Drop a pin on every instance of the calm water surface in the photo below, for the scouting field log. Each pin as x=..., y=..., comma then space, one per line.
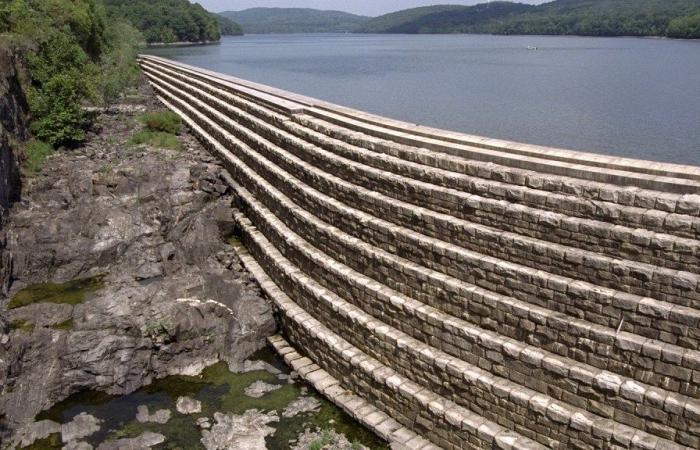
x=622, y=96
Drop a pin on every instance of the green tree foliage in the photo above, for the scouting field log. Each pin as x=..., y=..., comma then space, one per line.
x=74, y=56
x=294, y=20
x=228, y=27
x=672, y=18
x=167, y=21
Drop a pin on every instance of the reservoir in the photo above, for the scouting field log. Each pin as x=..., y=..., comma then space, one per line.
x=629, y=97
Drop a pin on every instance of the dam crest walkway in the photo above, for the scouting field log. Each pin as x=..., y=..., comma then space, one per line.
x=459, y=292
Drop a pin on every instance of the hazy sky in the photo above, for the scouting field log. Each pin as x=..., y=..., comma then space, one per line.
x=366, y=7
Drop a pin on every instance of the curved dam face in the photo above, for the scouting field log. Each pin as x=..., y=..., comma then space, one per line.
x=459, y=292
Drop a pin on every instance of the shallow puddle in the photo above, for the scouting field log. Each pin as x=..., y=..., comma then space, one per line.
x=71, y=293
x=218, y=390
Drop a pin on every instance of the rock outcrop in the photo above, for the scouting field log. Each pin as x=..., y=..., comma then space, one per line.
x=13, y=127
x=151, y=225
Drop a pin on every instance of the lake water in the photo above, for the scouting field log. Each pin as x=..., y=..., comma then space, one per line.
x=623, y=96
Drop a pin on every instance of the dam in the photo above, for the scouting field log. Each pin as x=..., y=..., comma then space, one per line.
x=459, y=292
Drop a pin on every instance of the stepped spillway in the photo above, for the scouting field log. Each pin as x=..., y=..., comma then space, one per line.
x=460, y=292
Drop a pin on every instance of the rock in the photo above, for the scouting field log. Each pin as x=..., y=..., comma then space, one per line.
x=260, y=388
x=187, y=405
x=140, y=219
x=326, y=439
x=161, y=416
x=204, y=423
x=34, y=431
x=301, y=405
x=82, y=425
x=77, y=446
x=252, y=366
x=240, y=432
x=142, y=442
x=149, y=270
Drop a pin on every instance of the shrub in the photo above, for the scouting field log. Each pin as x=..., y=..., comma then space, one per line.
x=165, y=121
x=156, y=139
x=35, y=152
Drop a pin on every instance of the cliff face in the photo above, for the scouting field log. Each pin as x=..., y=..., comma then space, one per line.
x=13, y=126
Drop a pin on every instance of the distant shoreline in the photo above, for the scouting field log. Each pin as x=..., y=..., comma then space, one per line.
x=180, y=43
x=341, y=33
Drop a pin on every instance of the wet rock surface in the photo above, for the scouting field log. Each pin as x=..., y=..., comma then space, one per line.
x=144, y=441
x=159, y=416
x=260, y=388
x=244, y=432
x=151, y=223
x=187, y=405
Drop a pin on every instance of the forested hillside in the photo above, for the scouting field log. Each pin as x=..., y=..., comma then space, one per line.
x=74, y=56
x=167, y=21
x=228, y=27
x=294, y=20
x=670, y=18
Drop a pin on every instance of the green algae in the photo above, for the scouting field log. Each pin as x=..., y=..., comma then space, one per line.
x=51, y=442
x=71, y=293
x=22, y=325
x=219, y=390
x=65, y=326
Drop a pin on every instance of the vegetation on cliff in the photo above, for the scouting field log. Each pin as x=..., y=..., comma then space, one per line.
x=670, y=18
x=294, y=20
x=74, y=57
x=167, y=21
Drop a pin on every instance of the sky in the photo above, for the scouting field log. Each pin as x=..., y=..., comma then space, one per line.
x=364, y=7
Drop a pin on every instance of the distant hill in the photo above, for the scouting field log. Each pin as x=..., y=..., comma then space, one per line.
x=671, y=18
x=406, y=19
x=294, y=20
x=228, y=27
x=167, y=21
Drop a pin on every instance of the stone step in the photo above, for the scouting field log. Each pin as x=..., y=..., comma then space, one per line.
x=642, y=279
x=558, y=259
x=679, y=182
x=537, y=370
x=647, y=174
x=659, y=249
x=450, y=377
x=438, y=418
x=655, y=211
x=661, y=317
x=287, y=236
x=442, y=291
x=367, y=414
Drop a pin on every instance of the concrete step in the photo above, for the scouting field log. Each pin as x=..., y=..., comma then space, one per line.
x=286, y=236
x=638, y=278
x=651, y=318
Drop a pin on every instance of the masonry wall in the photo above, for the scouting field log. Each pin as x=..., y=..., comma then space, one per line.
x=517, y=309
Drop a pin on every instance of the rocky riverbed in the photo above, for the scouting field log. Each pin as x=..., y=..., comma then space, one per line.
x=120, y=276
x=217, y=409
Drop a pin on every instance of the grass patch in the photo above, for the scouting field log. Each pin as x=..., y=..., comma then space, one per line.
x=71, y=293
x=22, y=325
x=35, y=153
x=325, y=439
x=65, y=326
x=51, y=442
x=164, y=121
x=156, y=139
